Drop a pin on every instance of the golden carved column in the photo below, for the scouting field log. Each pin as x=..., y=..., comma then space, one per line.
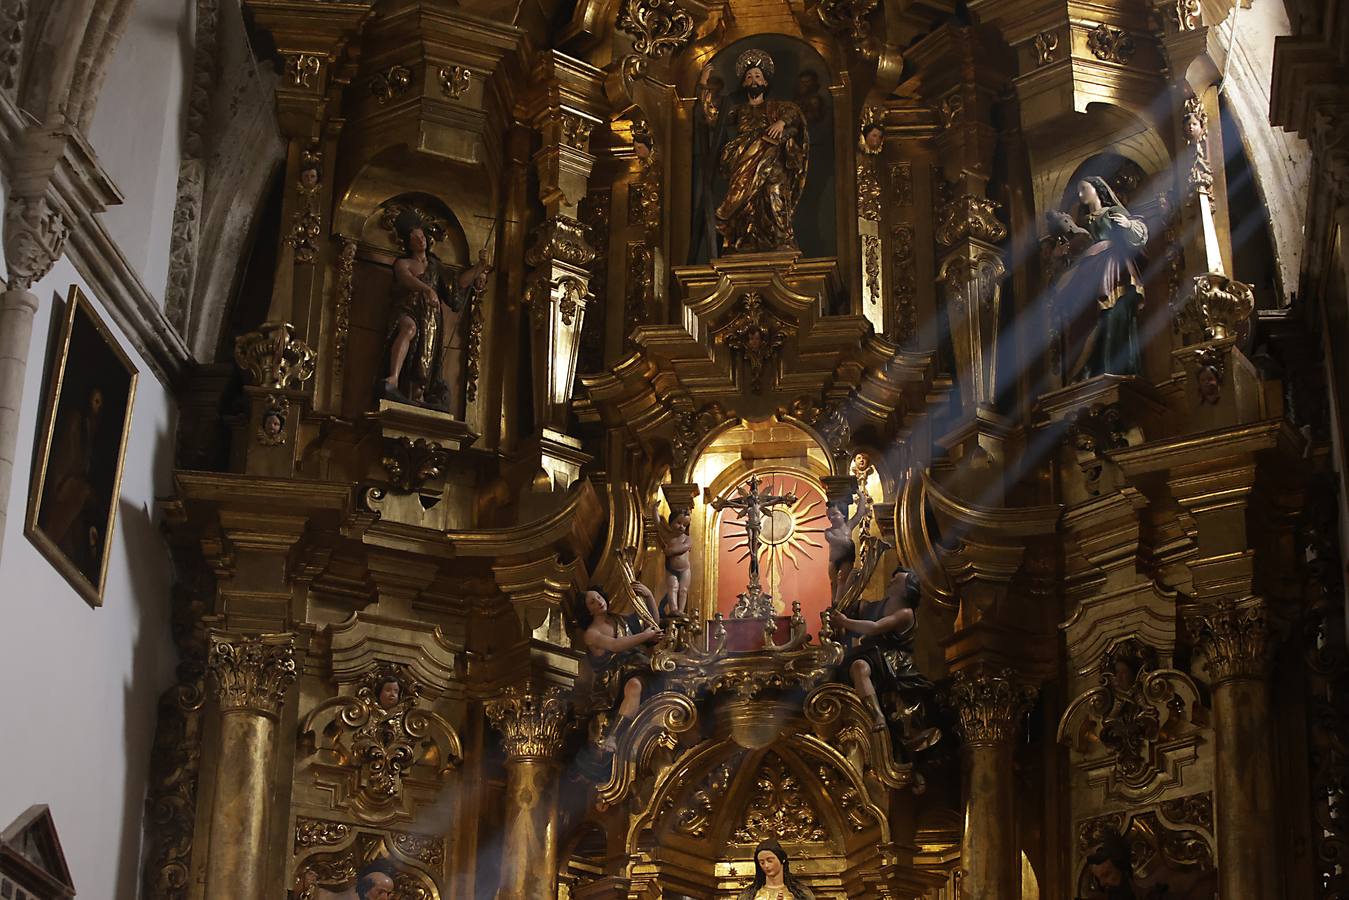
x=991, y=703
x=250, y=676
x=1236, y=639
x=532, y=722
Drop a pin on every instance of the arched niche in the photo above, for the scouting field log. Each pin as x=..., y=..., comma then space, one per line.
x=1057, y=153
x=774, y=447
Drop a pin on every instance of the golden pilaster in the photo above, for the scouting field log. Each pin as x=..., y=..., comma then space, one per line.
x=532, y=722
x=991, y=703
x=1236, y=638
x=250, y=676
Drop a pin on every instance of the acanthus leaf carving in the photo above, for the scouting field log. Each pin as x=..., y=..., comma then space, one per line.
x=969, y=216
x=251, y=673
x=532, y=722
x=274, y=357
x=778, y=808
x=660, y=26
x=1111, y=44
x=990, y=704
x=1236, y=638
x=35, y=238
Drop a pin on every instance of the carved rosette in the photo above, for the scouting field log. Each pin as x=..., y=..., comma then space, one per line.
x=990, y=704
x=251, y=673
x=1236, y=638
x=660, y=26
x=532, y=722
x=35, y=237
x=1217, y=308
x=274, y=357
x=1110, y=44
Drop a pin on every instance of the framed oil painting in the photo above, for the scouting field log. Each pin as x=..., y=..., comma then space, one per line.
x=77, y=474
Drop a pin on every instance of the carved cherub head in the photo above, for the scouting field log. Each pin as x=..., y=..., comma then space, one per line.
x=679, y=519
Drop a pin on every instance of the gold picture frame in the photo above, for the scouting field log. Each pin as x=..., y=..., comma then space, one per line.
x=77, y=472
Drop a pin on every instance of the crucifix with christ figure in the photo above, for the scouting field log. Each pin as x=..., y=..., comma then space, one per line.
x=749, y=506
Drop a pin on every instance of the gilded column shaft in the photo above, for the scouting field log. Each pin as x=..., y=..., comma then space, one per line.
x=250, y=677
x=1236, y=640
x=532, y=725
x=991, y=704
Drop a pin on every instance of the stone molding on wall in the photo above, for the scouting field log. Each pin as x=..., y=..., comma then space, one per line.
x=79, y=189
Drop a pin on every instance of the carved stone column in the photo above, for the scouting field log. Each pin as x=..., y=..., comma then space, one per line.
x=1237, y=641
x=533, y=723
x=250, y=676
x=991, y=703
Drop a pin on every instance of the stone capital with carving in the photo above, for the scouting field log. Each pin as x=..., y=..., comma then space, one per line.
x=251, y=673
x=1236, y=637
x=990, y=703
x=35, y=236
x=1217, y=307
x=533, y=722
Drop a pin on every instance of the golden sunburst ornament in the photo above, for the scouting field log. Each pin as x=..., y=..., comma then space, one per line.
x=789, y=532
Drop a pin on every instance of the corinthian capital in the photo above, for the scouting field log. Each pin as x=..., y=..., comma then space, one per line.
x=991, y=703
x=1235, y=637
x=251, y=672
x=35, y=236
x=532, y=722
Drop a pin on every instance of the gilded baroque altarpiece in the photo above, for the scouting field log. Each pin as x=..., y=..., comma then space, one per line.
x=559, y=287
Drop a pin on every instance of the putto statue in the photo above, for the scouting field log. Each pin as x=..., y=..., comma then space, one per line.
x=424, y=320
x=762, y=148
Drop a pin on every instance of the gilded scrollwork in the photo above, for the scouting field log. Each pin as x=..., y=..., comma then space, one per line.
x=990, y=704
x=851, y=18
x=901, y=183
x=342, y=295
x=778, y=807
x=575, y=131
x=411, y=463
x=251, y=673
x=380, y=750
x=969, y=216
x=660, y=27
x=1187, y=14
x=690, y=427
x=307, y=222
x=390, y=83
x=871, y=266
x=640, y=285
x=1111, y=44
x=274, y=357
x=301, y=69
x=1046, y=45
x=1196, y=136
x=560, y=239
x=532, y=722
x=755, y=338
x=454, y=80
x=1217, y=307
x=320, y=833
x=905, y=280
x=695, y=818
x=1135, y=730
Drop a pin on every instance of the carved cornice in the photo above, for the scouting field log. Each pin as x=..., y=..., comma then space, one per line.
x=251, y=673
x=532, y=722
x=990, y=704
x=1236, y=638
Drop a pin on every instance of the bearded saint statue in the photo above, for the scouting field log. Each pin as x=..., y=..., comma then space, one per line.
x=762, y=148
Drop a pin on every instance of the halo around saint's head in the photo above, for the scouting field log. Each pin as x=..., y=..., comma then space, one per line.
x=754, y=59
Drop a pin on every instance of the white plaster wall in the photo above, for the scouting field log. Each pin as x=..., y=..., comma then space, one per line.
x=137, y=131
x=1281, y=160
x=81, y=684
